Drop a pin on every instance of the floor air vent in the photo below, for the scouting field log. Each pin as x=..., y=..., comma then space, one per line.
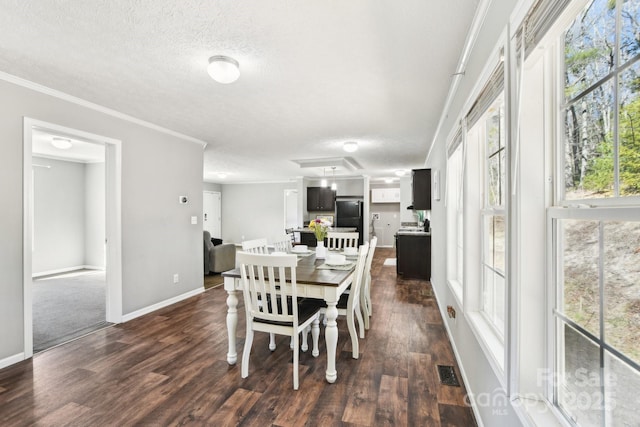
x=448, y=375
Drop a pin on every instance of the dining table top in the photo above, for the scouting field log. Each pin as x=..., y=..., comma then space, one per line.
x=308, y=272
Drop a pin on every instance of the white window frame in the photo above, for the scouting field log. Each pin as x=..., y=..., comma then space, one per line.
x=615, y=208
x=455, y=217
x=488, y=211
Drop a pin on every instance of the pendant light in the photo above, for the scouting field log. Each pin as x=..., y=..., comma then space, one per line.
x=323, y=181
x=334, y=187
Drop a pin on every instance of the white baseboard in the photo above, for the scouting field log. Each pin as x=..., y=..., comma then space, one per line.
x=161, y=304
x=11, y=360
x=467, y=385
x=66, y=270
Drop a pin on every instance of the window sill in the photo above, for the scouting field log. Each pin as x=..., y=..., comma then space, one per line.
x=537, y=413
x=456, y=290
x=491, y=343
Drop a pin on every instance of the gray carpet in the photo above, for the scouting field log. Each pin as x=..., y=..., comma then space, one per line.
x=67, y=306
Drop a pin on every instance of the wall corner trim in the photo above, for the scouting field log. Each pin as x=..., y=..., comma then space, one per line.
x=7, y=361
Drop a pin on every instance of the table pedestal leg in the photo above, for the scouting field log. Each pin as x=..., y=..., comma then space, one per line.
x=331, y=339
x=232, y=323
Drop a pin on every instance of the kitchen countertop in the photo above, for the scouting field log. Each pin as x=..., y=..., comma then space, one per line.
x=413, y=233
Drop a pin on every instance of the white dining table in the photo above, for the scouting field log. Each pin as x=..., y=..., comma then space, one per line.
x=312, y=282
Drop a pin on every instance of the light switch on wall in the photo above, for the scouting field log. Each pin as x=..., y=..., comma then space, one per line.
x=194, y=220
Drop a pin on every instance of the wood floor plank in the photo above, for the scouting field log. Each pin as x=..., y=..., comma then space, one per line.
x=423, y=396
x=392, y=402
x=455, y=416
x=67, y=415
x=234, y=409
x=170, y=368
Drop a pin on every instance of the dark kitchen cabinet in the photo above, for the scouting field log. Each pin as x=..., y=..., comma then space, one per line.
x=320, y=199
x=421, y=189
x=413, y=256
x=308, y=239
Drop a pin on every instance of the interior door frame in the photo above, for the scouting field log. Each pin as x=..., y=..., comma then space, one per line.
x=113, y=223
x=219, y=219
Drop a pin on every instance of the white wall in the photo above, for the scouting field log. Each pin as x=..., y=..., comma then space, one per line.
x=481, y=379
x=157, y=236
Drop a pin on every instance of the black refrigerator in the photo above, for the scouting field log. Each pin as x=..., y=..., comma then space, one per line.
x=349, y=214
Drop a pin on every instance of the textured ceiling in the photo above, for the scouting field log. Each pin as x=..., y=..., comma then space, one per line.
x=314, y=74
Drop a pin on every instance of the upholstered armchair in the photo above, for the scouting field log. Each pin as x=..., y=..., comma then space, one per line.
x=218, y=258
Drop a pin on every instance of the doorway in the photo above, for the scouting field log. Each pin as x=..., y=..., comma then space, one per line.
x=211, y=217
x=71, y=230
x=291, y=219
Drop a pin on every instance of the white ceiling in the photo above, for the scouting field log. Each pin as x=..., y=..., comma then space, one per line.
x=314, y=74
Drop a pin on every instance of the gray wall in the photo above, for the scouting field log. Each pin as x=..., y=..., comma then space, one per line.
x=157, y=236
x=69, y=215
x=94, y=222
x=210, y=186
x=58, y=215
x=253, y=211
x=386, y=227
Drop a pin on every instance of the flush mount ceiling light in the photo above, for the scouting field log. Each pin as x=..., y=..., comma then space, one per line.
x=61, y=143
x=388, y=180
x=400, y=172
x=350, y=146
x=222, y=175
x=223, y=69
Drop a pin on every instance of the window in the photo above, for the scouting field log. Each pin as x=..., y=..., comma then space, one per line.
x=455, y=218
x=596, y=235
x=484, y=202
x=602, y=111
x=493, y=217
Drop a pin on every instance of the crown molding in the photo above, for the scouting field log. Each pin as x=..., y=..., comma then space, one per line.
x=83, y=103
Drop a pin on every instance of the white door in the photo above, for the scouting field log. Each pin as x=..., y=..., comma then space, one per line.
x=291, y=209
x=212, y=213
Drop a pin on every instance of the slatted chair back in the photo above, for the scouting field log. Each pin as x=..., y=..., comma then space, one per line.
x=365, y=292
x=255, y=246
x=353, y=303
x=282, y=244
x=265, y=279
x=339, y=240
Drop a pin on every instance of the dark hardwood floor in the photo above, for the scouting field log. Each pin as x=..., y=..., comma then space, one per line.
x=169, y=368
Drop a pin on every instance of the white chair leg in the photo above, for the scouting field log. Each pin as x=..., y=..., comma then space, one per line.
x=360, y=321
x=363, y=309
x=315, y=334
x=305, y=344
x=295, y=361
x=354, y=336
x=248, y=341
x=272, y=341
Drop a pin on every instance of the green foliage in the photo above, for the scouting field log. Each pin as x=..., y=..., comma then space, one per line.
x=599, y=175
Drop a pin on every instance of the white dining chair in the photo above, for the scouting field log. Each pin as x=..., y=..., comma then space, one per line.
x=349, y=304
x=340, y=240
x=365, y=292
x=255, y=246
x=282, y=244
x=259, y=246
x=272, y=279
